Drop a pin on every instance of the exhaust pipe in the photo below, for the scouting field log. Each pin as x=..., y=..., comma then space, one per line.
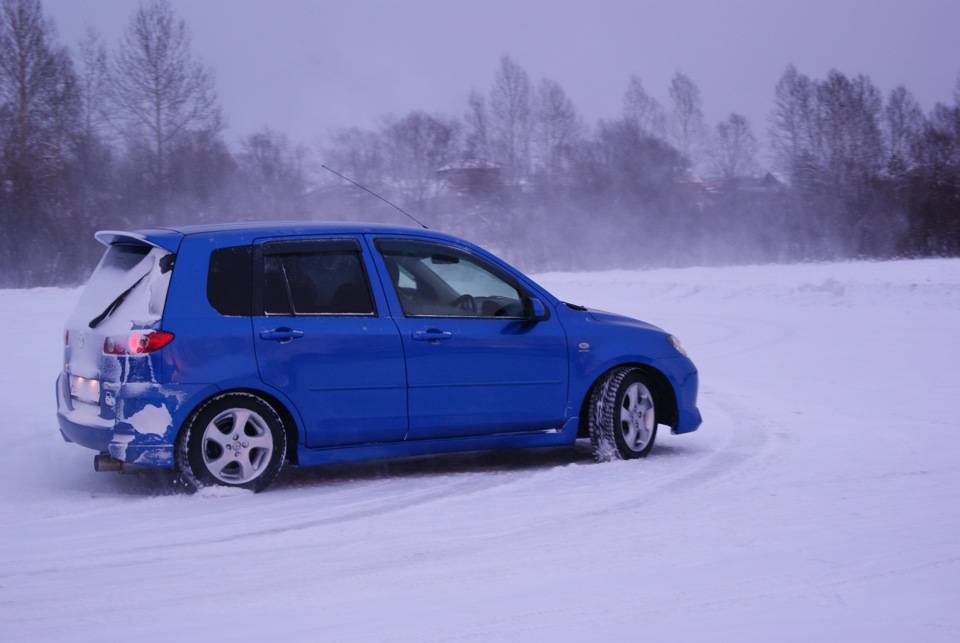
x=106, y=463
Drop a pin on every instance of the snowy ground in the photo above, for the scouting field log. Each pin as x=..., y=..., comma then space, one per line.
x=820, y=500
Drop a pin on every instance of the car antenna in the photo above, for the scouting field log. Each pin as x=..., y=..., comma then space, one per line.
x=393, y=205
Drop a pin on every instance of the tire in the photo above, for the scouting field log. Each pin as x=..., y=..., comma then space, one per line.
x=622, y=416
x=232, y=440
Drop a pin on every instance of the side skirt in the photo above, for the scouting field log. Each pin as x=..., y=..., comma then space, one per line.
x=337, y=455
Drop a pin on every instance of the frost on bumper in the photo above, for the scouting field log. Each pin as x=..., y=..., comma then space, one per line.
x=143, y=431
x=134, y=423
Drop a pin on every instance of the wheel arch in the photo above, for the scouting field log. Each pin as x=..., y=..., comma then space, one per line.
x=287, y=418
x=666, y=399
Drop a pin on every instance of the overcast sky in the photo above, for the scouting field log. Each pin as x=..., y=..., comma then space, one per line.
x=305, y=66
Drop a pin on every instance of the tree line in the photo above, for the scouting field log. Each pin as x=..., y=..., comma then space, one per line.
x=132, y=135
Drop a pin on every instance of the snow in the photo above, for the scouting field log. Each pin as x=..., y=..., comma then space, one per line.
x=819, y=498
x=151, y=419
x=144, y=303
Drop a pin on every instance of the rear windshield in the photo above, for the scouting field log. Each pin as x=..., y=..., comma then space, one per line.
x=127, y=290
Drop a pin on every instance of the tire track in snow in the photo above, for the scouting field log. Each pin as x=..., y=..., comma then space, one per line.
x=738, y=336
x=442, y=488
x=751, y=442
x=747, y=446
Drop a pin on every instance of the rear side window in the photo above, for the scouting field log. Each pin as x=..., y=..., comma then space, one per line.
x=315, y=277
x=230, y=280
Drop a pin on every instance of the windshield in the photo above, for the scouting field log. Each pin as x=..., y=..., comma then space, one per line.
x=127, y=290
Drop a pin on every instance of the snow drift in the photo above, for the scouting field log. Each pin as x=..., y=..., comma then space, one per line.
x=819, y=498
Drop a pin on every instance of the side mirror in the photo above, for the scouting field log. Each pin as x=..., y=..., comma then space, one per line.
x=534, y=310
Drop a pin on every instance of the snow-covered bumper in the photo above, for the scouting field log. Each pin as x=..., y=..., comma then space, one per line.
x=134, y=423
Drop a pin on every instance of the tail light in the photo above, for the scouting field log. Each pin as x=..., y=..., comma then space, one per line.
x=137, y=342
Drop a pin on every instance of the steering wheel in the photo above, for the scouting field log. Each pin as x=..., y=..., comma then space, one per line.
x=465, y=303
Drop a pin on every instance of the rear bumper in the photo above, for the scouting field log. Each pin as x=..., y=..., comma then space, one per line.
x=124, y=446
x=150, y=446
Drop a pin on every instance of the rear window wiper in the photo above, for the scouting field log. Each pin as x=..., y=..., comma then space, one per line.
x=96, y=321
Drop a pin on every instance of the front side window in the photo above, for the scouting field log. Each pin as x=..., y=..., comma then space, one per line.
x=436, y=280
x=315, y=277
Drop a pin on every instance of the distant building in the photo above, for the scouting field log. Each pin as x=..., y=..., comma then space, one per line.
x=769, y=183
x=472, y=177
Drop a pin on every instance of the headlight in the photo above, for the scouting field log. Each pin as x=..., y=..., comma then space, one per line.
x=677, y=345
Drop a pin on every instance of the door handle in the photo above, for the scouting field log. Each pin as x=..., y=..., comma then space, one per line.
x=282, y=335
x=431, y=335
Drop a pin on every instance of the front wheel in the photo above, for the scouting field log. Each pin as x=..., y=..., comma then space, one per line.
x=234, y=440
x=622, y=416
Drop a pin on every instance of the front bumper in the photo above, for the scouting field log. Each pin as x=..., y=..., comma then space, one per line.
x=684, y=379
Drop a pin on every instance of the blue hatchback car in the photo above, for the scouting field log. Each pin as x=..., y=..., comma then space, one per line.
x=224, y=351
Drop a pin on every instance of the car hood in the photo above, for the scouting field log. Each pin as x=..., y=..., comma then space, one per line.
x=621, y=320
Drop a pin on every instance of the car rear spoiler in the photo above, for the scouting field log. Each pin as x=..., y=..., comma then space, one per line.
x=168, y=240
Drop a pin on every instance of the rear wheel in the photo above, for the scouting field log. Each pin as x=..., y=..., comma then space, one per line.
x=623, y=416
x=234, y=440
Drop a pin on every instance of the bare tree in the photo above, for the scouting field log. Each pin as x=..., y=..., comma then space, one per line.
x=38, y=109
x=849, y=112
x=935, y=228
x=643, y=111
x=903, y=123
x=510, y=105
x=827, y=135
x=556, y=129
x=96, y=164
x=686, y=117
x=35, y=74
x=793, y=122
x=356, y=153
x=62, y=111
x=733, y=150
x=417, y=146
x=272, y=178
x=478, y=128
x=632, y=169
x=94, y=85
x=159, y=90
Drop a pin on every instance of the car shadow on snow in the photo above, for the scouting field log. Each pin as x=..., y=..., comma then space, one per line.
x=141, y=481
x=144, y=482
x=503, y=461
x=496, y=462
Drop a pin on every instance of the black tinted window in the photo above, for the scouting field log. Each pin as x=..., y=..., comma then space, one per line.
x=315, y=277
x=229, y=281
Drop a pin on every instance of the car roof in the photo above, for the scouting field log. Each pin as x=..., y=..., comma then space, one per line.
x=241, y=233
x=169, y=238
x=289, y=227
